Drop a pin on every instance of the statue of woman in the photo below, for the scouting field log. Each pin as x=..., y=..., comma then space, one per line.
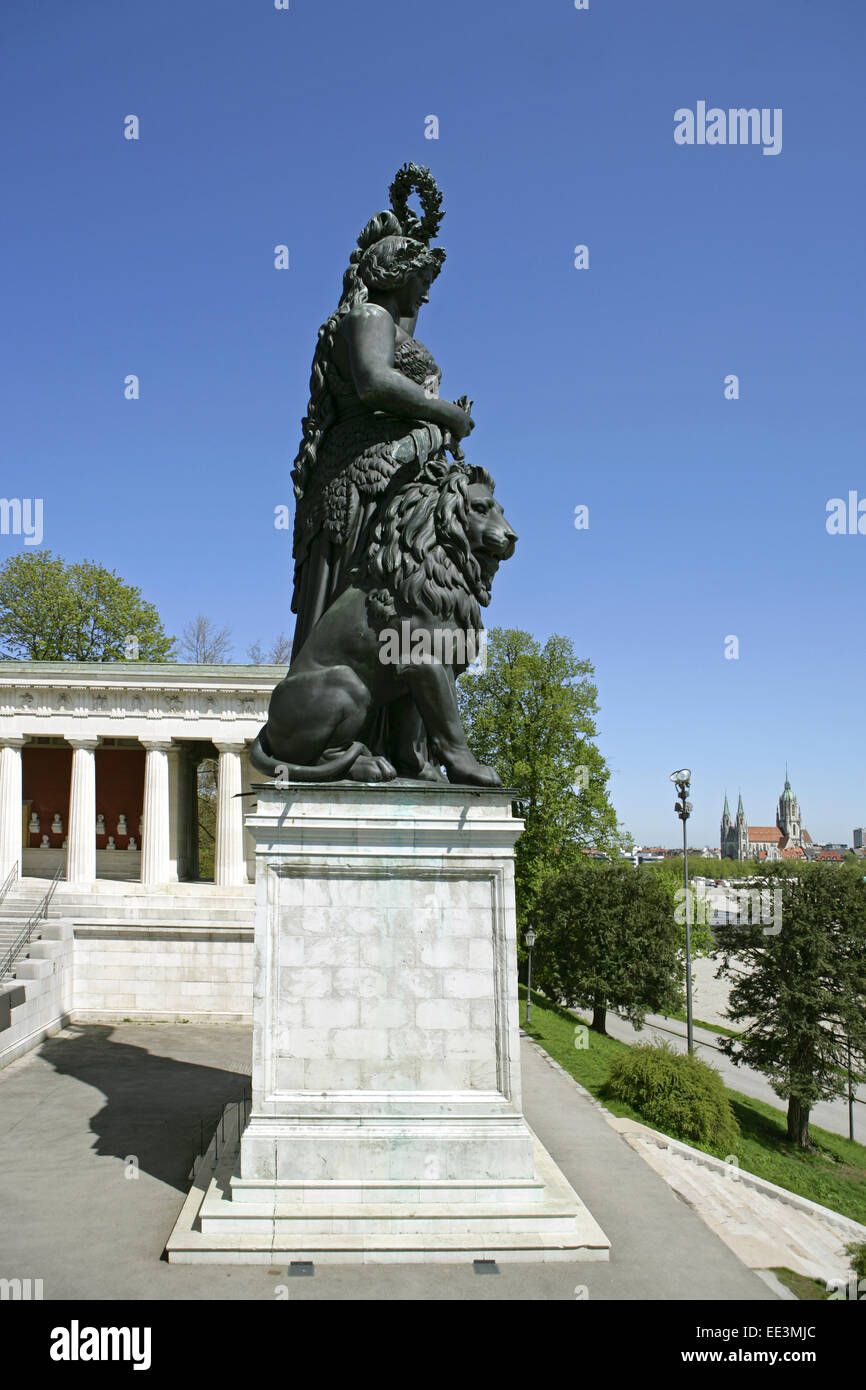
x=375, y=416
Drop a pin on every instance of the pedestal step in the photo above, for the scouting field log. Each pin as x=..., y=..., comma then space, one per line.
x=538, y=1219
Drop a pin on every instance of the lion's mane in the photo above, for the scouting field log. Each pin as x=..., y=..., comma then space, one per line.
x=419, y=560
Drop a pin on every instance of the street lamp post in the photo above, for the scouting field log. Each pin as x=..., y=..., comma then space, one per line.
x=683, y=808
x=529, y=938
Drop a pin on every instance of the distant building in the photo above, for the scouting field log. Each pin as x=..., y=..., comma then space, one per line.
x=645, y=854
x=860, y=837
x=785, y=840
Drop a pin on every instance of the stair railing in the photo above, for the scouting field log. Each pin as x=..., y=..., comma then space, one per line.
x=37, y=915
x=8, y=881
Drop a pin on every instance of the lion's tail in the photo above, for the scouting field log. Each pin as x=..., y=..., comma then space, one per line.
x=263, y=761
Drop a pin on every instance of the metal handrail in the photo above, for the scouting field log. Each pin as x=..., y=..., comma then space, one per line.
x=36, y=916
x=8, y=881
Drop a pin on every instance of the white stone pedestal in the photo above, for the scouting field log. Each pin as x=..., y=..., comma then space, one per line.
x=386, y=1120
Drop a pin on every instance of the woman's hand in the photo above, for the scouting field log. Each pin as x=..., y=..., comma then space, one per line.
x=459, y=421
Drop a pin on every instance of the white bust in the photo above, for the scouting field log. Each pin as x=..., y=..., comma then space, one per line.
x=111, y=844
x=100, y=824
x=34, y=823
x=121, y=825
x=57, y=824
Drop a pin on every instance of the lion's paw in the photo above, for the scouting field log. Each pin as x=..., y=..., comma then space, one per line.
x=368, y=768
x=431, y=773
x=475, y=775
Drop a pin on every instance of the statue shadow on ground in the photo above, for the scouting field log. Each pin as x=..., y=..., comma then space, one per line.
x=156, y=1107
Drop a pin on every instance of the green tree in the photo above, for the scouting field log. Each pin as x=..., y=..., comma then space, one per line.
x=54, y=611
x=802, y=987
x=607, y=940
x=531, y=715
x=699, y=867
x=670, y=873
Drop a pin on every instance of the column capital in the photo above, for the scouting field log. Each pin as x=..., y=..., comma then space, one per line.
x=162, y=745
x=230, y=745
x=75, y=742
x=12, y=740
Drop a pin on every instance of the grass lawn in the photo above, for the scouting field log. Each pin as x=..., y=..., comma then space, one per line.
x=834, y=1175
x=809, y=1290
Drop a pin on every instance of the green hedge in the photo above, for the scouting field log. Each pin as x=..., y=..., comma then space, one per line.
x=679, y=1094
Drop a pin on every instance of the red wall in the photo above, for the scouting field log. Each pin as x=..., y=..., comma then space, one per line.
x=47, y=774
x=119, y=787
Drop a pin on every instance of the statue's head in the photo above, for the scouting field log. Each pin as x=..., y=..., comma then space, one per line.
x=393, y=255
x=388, y=262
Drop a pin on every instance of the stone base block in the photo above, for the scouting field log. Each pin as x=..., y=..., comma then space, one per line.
x=438, y=1221
x=386, y=1121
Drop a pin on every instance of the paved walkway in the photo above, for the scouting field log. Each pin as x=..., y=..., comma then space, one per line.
x=77, y=1109
x=830, y=1115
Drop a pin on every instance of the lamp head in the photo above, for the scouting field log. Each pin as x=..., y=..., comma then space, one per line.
x=684, y=776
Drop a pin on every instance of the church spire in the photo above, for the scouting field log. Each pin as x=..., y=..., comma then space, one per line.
x=740, y=811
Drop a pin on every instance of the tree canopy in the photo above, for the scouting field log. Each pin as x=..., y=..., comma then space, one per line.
x=531, y=715
x=801, y=986
x=607, y=940
x=54, y=611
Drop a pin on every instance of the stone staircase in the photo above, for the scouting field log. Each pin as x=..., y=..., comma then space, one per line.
x=133, y=904
x=765, y=1226
x=22, y=899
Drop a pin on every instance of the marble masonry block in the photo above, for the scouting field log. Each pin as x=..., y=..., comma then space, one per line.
x=388, y=912
x=386, y=1116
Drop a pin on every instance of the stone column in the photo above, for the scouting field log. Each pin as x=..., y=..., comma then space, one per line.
x=247, y=776
x=10, y=805
x=175, y=850
x=155, y=835
x=229, y=865
x=81, y=831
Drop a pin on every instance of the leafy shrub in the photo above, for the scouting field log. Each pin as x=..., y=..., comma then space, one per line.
x=679, y=1094
x=858, y=1259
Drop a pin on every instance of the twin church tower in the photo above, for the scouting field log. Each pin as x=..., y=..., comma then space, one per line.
x=785, y=840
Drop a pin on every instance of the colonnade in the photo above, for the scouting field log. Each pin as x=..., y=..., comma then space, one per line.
x=163, y=839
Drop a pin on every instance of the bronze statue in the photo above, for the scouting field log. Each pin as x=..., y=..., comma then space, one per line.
x=389, y=533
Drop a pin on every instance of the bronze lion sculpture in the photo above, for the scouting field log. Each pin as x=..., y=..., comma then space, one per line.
x=371, y=694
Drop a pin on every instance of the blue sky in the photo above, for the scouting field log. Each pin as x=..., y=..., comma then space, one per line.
x=602, y=387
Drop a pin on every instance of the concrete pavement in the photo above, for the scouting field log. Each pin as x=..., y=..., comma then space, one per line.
x=98, y=1104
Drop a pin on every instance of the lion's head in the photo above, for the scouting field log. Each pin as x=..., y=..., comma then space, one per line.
x=438, y=546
